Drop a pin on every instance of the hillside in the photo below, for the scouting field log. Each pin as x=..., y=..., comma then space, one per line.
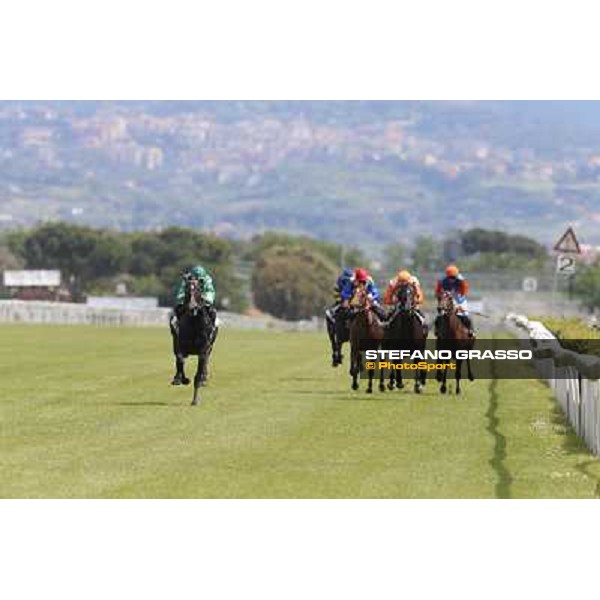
x=387, y=169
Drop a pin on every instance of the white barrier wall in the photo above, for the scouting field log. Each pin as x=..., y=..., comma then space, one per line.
x=21, y=311
x=573, y=378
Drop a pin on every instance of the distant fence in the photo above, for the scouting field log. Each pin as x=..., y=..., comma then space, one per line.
x=573, y=377
x=19, y=311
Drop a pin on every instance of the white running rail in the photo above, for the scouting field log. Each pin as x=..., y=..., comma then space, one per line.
x=573, y=377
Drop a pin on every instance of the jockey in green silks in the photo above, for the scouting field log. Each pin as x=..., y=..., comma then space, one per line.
x=207, y=287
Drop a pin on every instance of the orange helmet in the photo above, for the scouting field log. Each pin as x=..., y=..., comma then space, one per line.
x=451, y=270
x=404, y=276
x=361, y=275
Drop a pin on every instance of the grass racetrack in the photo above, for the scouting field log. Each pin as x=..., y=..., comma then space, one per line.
x=88, y=412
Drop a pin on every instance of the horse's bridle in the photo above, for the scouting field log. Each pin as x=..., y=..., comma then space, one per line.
x=193, y=292
x=409, y=301
x=446, y=304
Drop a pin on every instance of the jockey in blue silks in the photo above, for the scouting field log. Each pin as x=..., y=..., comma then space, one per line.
x=346, y=277
x=458, y=286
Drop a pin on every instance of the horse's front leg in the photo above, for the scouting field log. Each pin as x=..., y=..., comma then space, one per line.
x=179, y=378
x=469, y=372
x=392, y=380
x=399, y=379
x=382, y=380
x=417, y=381
x=332, y=341
x=458, y=375
x=354, y=368
x=198, y=379
x=444, y=375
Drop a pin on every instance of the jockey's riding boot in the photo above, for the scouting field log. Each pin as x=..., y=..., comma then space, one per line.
x=330, y=313
x=174, y=318
x=467, y=321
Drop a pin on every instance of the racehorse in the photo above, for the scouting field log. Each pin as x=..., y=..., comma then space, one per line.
x=193, y=335
x=452, y=334
x=366, y=333
x=406, y=331
x=339, y=332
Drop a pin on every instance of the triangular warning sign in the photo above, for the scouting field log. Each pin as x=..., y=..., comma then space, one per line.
x=568, y=243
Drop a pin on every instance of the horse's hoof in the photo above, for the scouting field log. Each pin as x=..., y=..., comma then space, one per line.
x=400, y=386
x=382, y=388
x=417, y=389
x=443, y=389
x=355, y=386
x=176, y=382
x=185, y=381
x=369, y=391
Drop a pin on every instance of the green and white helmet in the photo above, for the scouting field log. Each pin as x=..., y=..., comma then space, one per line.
x=198, y=272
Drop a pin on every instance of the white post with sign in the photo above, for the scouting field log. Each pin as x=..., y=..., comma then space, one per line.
x=568, y=249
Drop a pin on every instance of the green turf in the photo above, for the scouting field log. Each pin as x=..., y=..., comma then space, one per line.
x=88, y=412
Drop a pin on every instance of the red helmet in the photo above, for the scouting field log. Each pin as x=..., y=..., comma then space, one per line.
x=361, y=275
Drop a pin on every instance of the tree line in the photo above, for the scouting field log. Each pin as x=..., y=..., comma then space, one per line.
x=290, y=277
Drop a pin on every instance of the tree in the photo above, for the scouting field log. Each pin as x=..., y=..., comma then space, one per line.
x=335, y=253
x=291, y=282
x=81, y=254
x=487, y=240
x=587, y=286
x=8, y=260
x=394, y=259
x=161, y=257
x=426, y=254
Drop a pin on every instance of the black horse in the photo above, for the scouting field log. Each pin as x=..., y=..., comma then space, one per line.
x=194, y=334
x=406, y=331
x=338, y=329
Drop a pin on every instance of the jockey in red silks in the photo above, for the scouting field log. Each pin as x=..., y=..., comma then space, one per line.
x=458, y=286
x=362, y=278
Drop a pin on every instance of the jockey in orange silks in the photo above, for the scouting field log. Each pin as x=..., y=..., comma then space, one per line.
x=402, y=278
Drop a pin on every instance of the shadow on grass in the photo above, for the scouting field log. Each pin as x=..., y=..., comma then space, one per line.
x=146, y=404
x=504, y=478
x=353, y=396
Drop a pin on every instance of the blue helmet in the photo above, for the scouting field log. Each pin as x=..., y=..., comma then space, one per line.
x=347, y=272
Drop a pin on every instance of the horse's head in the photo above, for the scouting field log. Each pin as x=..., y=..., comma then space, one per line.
x=193, y=295
x=446, y=303
x=405, y=297
x=360, y=300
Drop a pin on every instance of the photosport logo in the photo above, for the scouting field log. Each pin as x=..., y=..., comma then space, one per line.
x=489, y=358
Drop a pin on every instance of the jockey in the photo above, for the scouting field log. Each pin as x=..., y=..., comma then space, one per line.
x=458, y=286
x=346, y=277
x=404, y=277
x=206, y=286
x=362, y=278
